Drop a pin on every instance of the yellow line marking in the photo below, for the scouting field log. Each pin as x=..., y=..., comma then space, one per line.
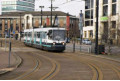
x=89, y=64
x=24, y=73
x=54, y=63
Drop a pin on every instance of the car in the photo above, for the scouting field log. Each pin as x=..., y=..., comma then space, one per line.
x=87, y=42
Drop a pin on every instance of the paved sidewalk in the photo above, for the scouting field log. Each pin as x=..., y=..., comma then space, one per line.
x=4, y=62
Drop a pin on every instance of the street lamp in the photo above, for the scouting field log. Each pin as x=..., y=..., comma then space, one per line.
x=96, y=37
x=9, y=58
x=41, y=13
x=20, y=26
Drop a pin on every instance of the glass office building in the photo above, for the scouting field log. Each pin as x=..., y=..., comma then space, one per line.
x=17, y=5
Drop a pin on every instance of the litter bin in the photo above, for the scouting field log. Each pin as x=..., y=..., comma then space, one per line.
x=16, y=36
x=101, y=49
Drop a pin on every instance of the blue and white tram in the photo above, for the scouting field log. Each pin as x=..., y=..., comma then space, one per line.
x=46, y=38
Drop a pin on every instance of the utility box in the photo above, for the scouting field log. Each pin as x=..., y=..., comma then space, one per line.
x=93, y=48
x=101, y=49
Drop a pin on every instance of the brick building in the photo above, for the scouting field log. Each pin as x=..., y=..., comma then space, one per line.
x=18, y=21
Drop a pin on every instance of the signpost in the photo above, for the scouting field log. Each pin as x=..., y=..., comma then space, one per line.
x=81, y=28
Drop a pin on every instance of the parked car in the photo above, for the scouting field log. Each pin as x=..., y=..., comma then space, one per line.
x=87, y=42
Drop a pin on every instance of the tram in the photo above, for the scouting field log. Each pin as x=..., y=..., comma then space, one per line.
x=51, y=39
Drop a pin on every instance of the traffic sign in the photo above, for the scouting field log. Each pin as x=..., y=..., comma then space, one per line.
x=13, y=31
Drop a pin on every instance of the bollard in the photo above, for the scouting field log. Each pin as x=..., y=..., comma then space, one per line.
x=73, y=47
x=9, y=54
x=80, y=48
x=89, y=50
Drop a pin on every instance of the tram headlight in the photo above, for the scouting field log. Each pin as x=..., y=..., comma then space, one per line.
x=53, y=43
x=63, y=43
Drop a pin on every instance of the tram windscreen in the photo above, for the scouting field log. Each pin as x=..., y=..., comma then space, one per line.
x=59, y=35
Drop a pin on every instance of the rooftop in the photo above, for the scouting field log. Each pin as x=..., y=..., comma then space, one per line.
x=36, y=13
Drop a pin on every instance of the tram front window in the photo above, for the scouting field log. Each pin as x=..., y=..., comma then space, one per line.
x=59, y=35
x=56, y=35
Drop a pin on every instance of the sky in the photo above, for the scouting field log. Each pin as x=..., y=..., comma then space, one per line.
x=72, y=7
x=0, y=7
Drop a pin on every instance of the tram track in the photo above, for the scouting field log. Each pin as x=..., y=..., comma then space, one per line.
x=114, y=68
x=28, y=72
x=97, y=73
x=109, y=65
x=55, y=69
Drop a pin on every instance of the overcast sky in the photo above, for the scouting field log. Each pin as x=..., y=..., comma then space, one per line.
x=72, y=7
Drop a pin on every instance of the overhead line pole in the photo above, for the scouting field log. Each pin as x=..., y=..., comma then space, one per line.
x=20, y=26
x=41, y=13
x=96, y=37
x=51, y=12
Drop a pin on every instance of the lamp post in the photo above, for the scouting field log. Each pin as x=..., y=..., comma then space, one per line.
x=96, y=37
x=41, y=13
x=81, y=27
x=9, y=58
x=20, y=26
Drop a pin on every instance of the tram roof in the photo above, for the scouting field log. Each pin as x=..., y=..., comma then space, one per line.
x=44, y=29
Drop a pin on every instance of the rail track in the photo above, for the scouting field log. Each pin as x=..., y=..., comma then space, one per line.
x=38, y=64
x=98, y=75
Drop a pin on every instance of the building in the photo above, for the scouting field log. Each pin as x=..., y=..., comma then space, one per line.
x=18, y=21
x=109, y=20
x=17, y=5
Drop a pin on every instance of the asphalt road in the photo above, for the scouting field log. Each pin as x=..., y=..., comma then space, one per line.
x=43, y=65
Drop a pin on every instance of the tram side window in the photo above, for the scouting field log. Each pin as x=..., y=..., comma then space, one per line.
x=41, y=35
x=25, y=34
x=35, y=34
x=50, y=34
x=44, y=35
x=29, y=34
x=38, y=34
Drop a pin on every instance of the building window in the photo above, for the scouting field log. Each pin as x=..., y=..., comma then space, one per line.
x=85, y=34
x=91, y=22
x=87, y=14
x=87, y=23
x=105, y=1
x=113, y=7
x=92, y=3
x=113, y=35
x=91, y=14
x=114, y=1
x=87, y=4
x=105, y=10
x=113, y=24
x=91, y=33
